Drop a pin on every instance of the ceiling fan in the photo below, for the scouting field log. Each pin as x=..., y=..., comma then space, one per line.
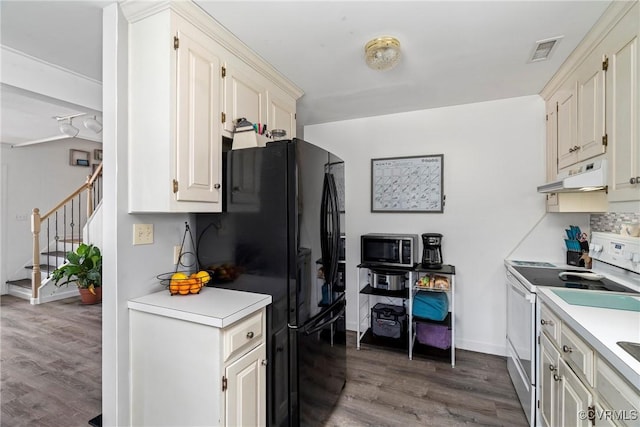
x=67, y=129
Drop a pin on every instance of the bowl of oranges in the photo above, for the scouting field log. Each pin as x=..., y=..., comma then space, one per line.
x=184, y=282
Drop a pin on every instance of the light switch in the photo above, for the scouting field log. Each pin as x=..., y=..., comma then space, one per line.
x=142, y=234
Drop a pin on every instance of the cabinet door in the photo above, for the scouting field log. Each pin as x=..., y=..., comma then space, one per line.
x=282, y=113
x=567, y=153
x=590, y=99
x=198, y=133
x=623, y=96
x=549, y=360
x=552, y=151
x=244, y=97
x=245, y=403
x=575, y=399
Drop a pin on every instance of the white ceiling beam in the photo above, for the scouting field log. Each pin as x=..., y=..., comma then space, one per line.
x=29, y=73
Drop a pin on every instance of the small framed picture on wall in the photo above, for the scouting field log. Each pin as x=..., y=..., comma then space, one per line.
x=97, y=155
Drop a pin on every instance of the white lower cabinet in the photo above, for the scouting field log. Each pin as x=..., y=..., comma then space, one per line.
x=574, y=399
x=244, y=405
x=564, y=400
x=577, y=387
x=549, y=361
x=184, y=373
x=620, y=403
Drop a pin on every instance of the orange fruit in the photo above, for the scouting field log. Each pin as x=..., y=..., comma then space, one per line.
x=203, y=276
x=176, y=281
x=184, y=286
x=195, y=288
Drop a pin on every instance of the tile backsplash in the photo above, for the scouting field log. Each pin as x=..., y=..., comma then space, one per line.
x=611, y=222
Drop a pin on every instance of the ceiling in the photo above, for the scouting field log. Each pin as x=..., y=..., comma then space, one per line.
x=454, y=52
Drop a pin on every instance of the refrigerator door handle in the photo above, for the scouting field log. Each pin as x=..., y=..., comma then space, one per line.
x=314, y=322
x=323, y=325
x=324, y=232
x=332, y=200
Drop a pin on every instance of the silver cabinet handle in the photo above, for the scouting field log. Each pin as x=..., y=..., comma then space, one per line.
x=567, y=349
x=265, y=362
x=557, y=377
x=634, y=180
x=546, y=322
x=249, y=335
x=552, y=368
x=216, y=186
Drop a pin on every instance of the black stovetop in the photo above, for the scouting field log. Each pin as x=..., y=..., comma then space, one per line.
x=549, y=277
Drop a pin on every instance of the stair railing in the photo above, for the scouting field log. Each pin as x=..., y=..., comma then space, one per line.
x=61, y=222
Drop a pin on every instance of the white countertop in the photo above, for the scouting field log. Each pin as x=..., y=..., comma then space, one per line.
x=212, y=306
x=601, y=328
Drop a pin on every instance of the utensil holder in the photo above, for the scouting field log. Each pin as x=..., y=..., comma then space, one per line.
x=575, y=258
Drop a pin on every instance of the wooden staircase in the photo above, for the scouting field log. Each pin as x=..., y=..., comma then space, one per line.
x=63, y=228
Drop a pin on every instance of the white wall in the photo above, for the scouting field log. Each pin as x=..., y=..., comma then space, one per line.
x=36, y=176
x=493, y=162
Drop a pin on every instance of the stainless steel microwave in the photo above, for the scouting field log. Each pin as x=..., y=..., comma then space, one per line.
x=393, y=250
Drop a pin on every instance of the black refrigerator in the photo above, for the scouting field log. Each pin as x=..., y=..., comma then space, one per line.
x=279, y=234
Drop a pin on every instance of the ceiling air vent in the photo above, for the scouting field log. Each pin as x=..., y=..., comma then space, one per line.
x=543, y=49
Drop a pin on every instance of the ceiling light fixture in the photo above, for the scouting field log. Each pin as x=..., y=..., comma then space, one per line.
x=382, y=53
x=67, y=127
x=92, y=124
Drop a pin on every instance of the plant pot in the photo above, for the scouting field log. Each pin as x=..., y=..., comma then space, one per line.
x=87, y=297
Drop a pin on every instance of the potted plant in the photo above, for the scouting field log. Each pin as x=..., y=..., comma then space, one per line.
x=84, y=268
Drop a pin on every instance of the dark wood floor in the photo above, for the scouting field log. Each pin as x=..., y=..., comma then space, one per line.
x=50, y=359
x=50, y=363
x=385, y=388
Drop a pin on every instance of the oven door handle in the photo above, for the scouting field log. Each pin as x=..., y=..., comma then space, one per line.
x=531, y=297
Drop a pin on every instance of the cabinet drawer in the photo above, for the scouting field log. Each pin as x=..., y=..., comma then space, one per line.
x=577, y=353
x=616, y=392
x=550, y=324
x=243, y=336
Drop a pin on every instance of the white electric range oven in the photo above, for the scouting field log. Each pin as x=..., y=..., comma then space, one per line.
x=616, y=268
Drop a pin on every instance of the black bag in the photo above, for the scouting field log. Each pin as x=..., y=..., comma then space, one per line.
x=388, y=320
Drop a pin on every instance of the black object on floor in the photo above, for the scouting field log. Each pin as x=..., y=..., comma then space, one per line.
x=96, y=421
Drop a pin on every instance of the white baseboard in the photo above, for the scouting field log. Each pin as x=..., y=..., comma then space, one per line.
x=43, y=295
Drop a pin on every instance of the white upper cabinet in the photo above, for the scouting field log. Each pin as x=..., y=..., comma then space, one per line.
x=244, y=96
x=174, y=117
x=255, y=98
x=621, y=48
x=590, y=108
x=189, y=81
x=596, y=95
x=198, y=142
x=566, y=127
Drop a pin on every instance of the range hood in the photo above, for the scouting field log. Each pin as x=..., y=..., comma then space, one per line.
x=588, y=176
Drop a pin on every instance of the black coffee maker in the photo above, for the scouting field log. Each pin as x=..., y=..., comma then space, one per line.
x=431, y=250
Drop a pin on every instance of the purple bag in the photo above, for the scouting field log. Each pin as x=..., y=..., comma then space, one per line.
x=438, y=336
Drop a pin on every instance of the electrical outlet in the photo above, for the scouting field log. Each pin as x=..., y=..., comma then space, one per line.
x=142, y=234
x=176, y=254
